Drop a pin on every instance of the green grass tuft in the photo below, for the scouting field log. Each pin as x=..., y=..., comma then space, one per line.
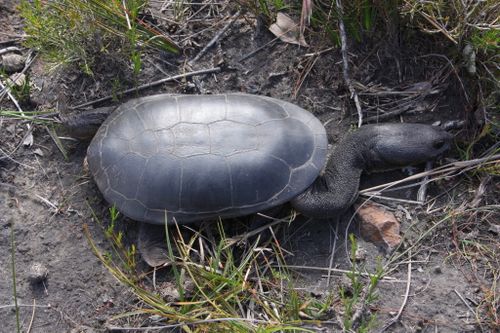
x=79, y=31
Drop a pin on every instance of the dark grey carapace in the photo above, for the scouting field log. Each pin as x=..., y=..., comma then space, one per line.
x=200, y=157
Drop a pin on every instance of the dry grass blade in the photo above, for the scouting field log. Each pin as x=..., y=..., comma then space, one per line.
x=448, y=170
x=345, y=61
x=216, y=38
x=287, y=30
x=230, y=293
x=116, y=18
x=148, y=85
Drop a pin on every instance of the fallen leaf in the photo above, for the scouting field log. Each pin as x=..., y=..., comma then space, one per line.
x=28, y=140
x=287, y=30
x=379, y=226
x=38, y=152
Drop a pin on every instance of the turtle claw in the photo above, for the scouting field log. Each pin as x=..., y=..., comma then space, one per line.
x=152, y=245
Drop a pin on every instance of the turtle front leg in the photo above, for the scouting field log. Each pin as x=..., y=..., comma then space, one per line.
x=332, y=193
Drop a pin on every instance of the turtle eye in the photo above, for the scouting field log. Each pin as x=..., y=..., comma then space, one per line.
x=438, y=144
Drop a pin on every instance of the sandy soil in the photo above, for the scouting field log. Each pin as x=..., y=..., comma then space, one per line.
x=46, y=199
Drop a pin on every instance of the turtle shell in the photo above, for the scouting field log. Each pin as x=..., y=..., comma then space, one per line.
x=193, y=157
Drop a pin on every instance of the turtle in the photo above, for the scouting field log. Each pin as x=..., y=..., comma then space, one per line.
x=185, y=158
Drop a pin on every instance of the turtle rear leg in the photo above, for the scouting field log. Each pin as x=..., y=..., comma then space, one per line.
x=152, y=244
x=83, y=125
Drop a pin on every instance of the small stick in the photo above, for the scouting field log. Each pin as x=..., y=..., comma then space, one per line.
x=332, y=255
x=338, y=270
x=13, y=160
x=8, y=306
x=387, y=115
x=392, y=199
x=47, y=202
x=361, y=305
x=186, y=323
x=13, y=99
x=343, y=39
x=149, y=85
x=422, y=191
x=10, y=49
x=304, y=75
x=246, y=235
x=257, y=50
x=12, y=35
x=32, y=317
x=455, y=71
x=215, y=39
x=463, y=300
x=405, y=300
x=317, y=53
x=57, y=142
x=443, y=170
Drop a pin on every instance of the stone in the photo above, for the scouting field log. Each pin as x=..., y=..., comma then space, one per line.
x=379, y=226
x=12, y=63
x=38, y=273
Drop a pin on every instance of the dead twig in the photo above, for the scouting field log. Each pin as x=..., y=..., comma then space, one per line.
x=5, y=90
x=256, y=231
x=361, y=302
x=451, y=169
x=332, y=255
x=309, y=66
x=148, y=85
x=387, y=115
x=317, y=53
x=254, y=52
x=405, y=300
x=8, y=306
x=32, y=317
x=215, y=38
x=343, y=39
x=57, y=142
x=463, y=301
x=481, y=190
x=455, y=71
x=341, y=271
x=10, y=49
x=7, y=156
x=422, y=191
x=214, y=320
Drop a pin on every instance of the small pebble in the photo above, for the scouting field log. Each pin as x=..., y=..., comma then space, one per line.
x=438, y=270
x=12, y=63
x=38, y=273
x=494, y=229
x=360, y=254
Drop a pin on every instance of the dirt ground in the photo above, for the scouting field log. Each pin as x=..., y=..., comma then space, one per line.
x=47, y=199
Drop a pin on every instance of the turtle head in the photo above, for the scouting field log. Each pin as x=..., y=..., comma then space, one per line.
x=392, y=146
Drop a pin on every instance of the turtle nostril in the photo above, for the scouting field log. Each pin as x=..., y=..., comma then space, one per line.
x=438, y=144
